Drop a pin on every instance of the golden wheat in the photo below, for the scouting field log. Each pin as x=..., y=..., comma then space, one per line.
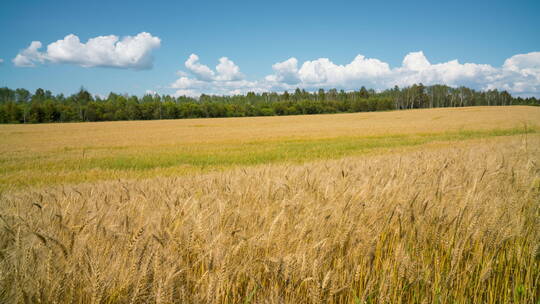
x=444, y=225
x=47, y=154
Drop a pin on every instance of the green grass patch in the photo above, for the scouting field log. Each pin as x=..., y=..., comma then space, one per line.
x=290, y=150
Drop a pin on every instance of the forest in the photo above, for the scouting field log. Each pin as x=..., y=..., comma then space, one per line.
x=21, y=106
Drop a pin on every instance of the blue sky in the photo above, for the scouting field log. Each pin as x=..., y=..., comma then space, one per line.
x=254, y=36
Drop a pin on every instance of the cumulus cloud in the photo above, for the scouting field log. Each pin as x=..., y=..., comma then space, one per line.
x=102, y=51
x=415, y=61
x=29, y=56
x=286, y=72
x=519, y=74
x=525, y=64
x=324, y=73
x=226, y=79
x=1, y=60
x=416, y=68
x=200, y=71
x=227, y=70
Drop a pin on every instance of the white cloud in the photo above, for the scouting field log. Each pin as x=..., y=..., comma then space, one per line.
x=29, y=56
x=324, y=73
x=1, y=60
x=185, y=82
x=520, y=74
x=102, y=51
x=227, y=70
x=225, y=80
x=200, y=71
x=188, y=93
x=416, y=61
x=525, y=64
x=286, y=72
x=416, y=68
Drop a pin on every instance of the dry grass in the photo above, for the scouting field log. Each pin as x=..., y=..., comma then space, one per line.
x=450, y=225
x=84, y=152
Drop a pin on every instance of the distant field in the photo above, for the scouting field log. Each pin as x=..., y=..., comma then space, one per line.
x=48, y=154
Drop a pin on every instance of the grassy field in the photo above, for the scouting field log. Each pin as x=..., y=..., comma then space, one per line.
x=422, y=206
x=84, y=152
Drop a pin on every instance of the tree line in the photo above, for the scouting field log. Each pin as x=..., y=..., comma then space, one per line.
x=21, y=106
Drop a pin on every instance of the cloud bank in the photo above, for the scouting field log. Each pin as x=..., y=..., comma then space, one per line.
x=102, y=51
x=519, y=74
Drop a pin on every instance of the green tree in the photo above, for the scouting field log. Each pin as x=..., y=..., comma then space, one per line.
x=364, y=92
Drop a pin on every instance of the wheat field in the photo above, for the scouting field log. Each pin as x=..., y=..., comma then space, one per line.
x=449, y=220
x=46, y=154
